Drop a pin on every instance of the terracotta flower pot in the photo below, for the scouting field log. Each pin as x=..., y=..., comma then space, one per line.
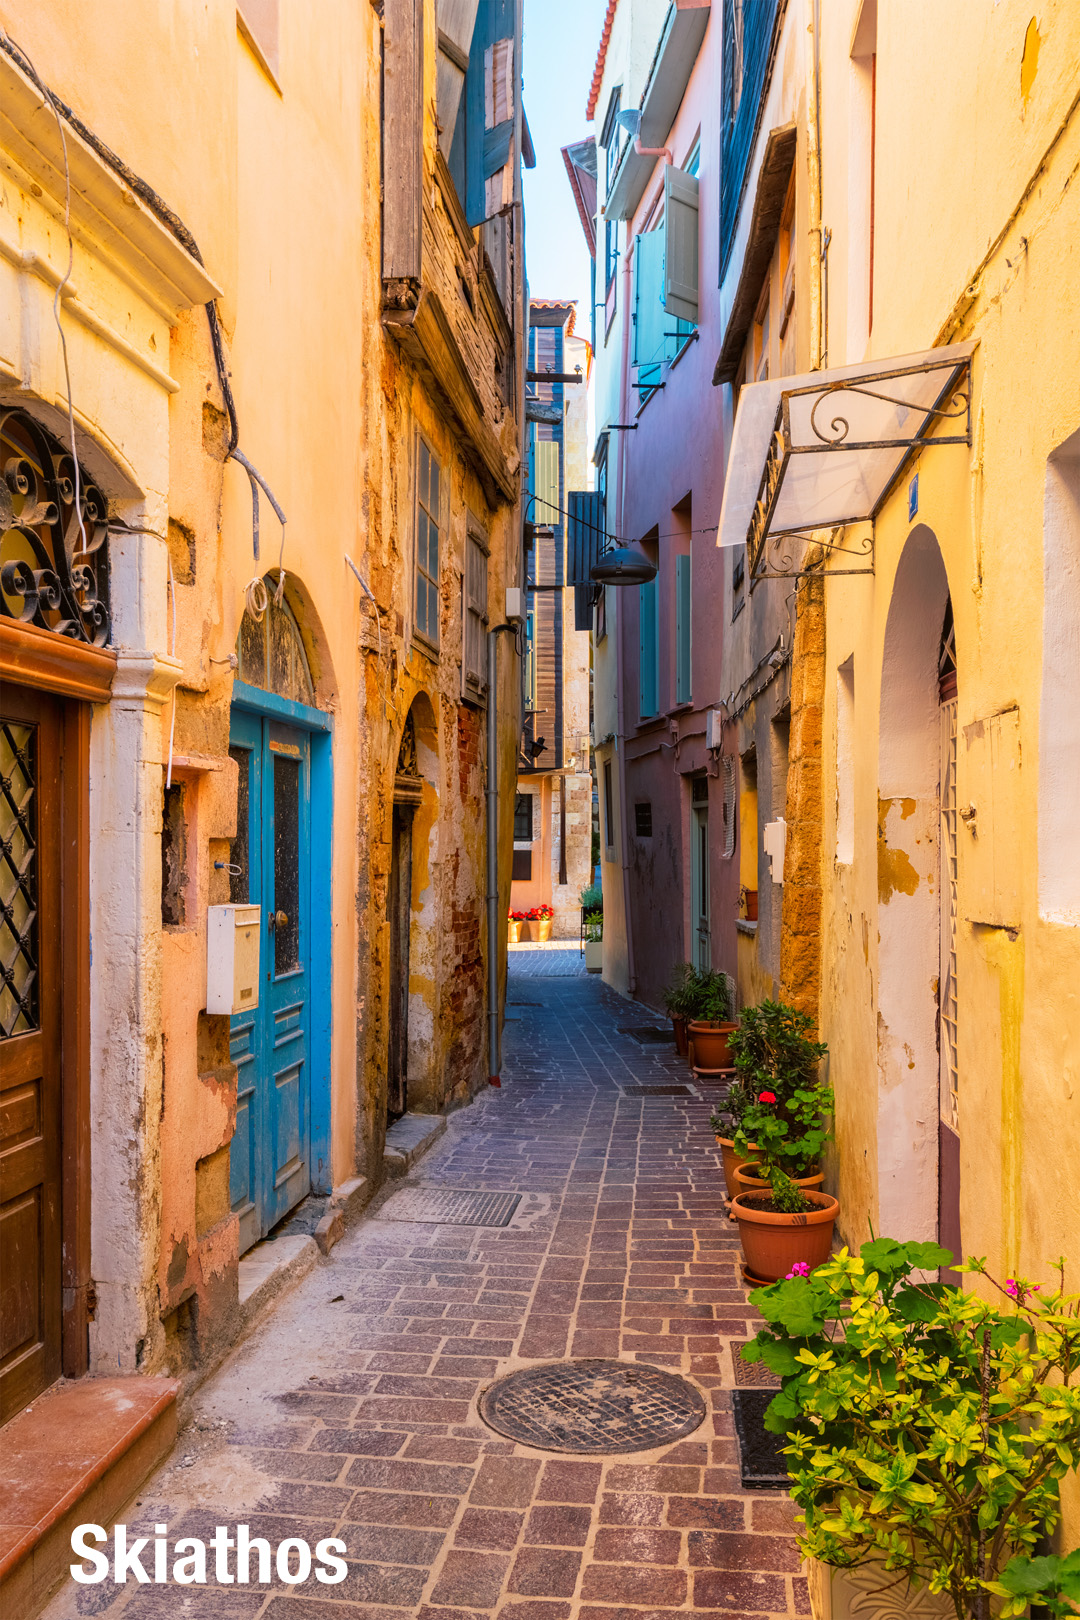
x=751, y=1183
x=730, y=1159
x=682, y=1040
x=513, y=933
x=710, y=1044
x=543, y=928
x=772, y=1243
x=526, y=931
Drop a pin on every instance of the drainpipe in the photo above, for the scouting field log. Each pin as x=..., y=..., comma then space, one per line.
x=492, y=796
x=620, y=655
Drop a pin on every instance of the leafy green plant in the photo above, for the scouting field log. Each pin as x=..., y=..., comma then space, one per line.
x=787, y=1199
x=592, y=898
x=594, y=926
x=788, y=1132
x=680, y=991
x=707, y=998
x=1053, y=1583
x=772, y=1049
x=928, y=1428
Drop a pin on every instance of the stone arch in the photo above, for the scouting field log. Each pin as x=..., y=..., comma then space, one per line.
x=909, y=889
x=306, y=676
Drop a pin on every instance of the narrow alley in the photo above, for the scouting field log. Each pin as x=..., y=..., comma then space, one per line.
x=353, y=1413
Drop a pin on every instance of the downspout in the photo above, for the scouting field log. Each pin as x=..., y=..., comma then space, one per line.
x=813, y=165
x=620, y=651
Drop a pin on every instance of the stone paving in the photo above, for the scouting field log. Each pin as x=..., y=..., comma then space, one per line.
x=352, y=1411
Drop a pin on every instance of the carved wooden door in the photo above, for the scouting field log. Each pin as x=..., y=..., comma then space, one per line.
x=30, y=1046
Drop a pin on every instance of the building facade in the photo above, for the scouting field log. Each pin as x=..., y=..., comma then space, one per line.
x=553, y=808
x=262, y=463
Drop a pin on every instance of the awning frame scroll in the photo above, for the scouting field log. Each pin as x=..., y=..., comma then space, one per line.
x=948, y=405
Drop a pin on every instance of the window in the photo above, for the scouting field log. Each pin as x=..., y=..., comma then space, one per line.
x=474, y=616
x=643, y=818
x=609, y=807
x=682, y=629
x=270, y=652
x=649, y=630
x=428, y=509
x=727, y=778
x=611, y=252
x=612, y=138
x=529, y=662
x=523, y=818
x=666, y=280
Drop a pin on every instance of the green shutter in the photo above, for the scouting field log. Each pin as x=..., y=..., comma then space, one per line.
x=546, y=508
x=682, y=629
x=647, y=621
x=680, y=290
x=649, y=320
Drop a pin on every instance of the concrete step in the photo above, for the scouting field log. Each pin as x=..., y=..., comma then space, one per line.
x=76, y=1455
x=408, y=1139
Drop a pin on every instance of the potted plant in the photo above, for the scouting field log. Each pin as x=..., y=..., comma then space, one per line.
x=513, y=929
x=708, y=1015
x=542, y=916
x=783, y=1130
x=729, y=1120
x=679, y=1001
x=594, y=949
x=928, y=1427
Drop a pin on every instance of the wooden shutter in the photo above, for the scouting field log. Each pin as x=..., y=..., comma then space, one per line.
x=727, y=772
x=403, y=138
x=585, y=540
x=649, y=322
x=546, y=507
x=648, y=627
x=682, y=629
x=681, y=244
x=489, y=92
x=474, y=616
x=455, y=21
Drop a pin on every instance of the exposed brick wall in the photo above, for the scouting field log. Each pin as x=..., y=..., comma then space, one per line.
x=800, y=935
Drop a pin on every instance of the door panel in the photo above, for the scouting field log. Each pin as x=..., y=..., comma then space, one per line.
x=270, y=1167
x=399, y=901
x=30, y=1046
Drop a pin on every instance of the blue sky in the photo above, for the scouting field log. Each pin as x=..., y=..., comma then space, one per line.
x=561, y=41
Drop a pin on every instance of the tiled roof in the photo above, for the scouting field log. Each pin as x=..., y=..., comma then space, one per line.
x=601, y=58
x=569, y=304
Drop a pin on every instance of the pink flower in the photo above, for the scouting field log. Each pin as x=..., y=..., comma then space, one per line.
x=767, y=1096
x=1011, y=1288
x=799, y=1269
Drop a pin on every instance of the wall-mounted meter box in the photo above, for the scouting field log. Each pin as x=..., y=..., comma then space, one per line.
x=233, y=934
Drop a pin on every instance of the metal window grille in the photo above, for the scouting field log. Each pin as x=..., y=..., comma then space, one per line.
x=948, y=1054
x=727, y=775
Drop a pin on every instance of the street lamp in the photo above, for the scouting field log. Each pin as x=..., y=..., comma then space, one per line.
x=625, y=565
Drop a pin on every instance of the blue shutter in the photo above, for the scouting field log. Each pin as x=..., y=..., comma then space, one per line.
x=649, y=318
x=647, y=597
x=737, y=134
x=585, y=540
x=486, y=149
x=682, y=629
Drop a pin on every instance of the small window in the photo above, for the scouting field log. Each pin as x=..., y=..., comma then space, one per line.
x=428, y=508
x=643, y=818
x=523, y=818
x=521, y=869
x=474, y=616
x=649, y=633
x=270, y=650
x=609, y=807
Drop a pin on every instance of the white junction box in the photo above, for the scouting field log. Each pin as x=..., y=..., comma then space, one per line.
x=714, y=728
x=233, y=935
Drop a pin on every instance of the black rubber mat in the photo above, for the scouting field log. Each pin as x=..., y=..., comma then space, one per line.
x=763, y=1464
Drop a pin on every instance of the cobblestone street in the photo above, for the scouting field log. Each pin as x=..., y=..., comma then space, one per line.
x=353, y=1409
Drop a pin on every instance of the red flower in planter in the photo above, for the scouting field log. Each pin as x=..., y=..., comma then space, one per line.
x=767, y=1096
x=542, y=913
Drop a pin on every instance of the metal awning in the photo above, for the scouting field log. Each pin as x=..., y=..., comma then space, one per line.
x=823, y=451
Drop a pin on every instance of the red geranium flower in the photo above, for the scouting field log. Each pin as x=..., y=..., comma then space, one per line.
x=767, y=1096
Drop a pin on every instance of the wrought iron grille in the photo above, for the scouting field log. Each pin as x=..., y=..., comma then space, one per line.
x=54, y=569
x=18, y=879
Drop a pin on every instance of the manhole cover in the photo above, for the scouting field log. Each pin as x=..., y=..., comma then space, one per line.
x=647, y=1034
x=593, y=1406
x=656, y=1091
x=432, y=1206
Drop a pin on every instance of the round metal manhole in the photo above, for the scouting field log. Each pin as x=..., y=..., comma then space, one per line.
x=592, y=1406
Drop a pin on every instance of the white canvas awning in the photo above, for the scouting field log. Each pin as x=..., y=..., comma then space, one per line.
x=824, y=450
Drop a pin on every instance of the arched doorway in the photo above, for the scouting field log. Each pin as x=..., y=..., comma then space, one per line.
x=280, y=862
x=918, y=1141
x=413, y=933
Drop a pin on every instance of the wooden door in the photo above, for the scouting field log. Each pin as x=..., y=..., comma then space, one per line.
x=31, y=1094
x=700, y=884
x=400, y=907
x=270, y=1160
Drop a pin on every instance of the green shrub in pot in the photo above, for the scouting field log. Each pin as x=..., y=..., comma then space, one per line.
x=928, y=1428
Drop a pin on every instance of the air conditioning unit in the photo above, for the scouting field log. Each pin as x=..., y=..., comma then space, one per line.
x=714, y=728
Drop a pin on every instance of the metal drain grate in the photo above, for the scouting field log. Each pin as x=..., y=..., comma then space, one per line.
x=763, y=1466
x=435, y=1206
x=656, y=1091
x=598, y=1407
x=648, y=1034
x=751, y=1373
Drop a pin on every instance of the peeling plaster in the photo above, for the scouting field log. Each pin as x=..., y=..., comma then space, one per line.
x=895, y=871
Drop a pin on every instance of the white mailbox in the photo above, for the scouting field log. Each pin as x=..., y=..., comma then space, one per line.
x=233, y=934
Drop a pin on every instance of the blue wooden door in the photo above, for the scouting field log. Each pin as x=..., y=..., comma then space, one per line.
x=270, y=1165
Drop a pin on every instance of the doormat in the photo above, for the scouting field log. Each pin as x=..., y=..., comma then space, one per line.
x=764, y=1467
x=648, y=1034
x=751, y=1373
x=434, y=1206
x=655, y=1091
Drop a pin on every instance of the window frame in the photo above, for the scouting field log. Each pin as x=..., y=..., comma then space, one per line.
x=423, y=635
x=474, y=680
